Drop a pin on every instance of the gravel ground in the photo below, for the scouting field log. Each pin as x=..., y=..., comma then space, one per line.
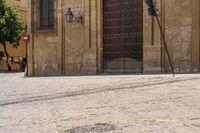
x=97, y=104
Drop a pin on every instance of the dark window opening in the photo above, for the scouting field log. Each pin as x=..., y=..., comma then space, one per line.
x=46, y=14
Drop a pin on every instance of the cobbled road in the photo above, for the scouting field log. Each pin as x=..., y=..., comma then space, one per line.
x=97, y=104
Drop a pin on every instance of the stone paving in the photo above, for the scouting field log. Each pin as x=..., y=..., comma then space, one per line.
x=97, y=104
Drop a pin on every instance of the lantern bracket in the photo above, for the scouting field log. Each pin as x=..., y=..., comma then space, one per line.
x=71, y=17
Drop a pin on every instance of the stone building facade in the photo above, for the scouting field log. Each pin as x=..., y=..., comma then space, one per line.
x=114, y=36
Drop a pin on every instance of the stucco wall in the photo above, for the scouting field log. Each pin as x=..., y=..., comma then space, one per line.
x=22, y=7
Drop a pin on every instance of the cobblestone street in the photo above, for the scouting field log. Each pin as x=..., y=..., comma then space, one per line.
x=96, y=104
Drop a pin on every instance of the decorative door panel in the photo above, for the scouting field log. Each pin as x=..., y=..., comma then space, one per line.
x=123, y=36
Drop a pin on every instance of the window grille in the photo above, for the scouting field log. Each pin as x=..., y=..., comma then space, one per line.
x=46, y=14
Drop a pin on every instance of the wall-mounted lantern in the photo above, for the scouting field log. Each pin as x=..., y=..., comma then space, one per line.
x=151, y=3
x=70, y=17
x=152, y=10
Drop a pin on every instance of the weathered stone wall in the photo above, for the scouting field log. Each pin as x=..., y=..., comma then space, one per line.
x=76, y=48
x=180, y=23
x=69, y=50
x=195, y=63
x=178, y=30
x=152, y=43
x=44, y=45
x=80, y=39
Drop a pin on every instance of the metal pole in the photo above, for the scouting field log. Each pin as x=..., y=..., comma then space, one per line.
x=27, y=59
x=165, y=44
x=26, y=67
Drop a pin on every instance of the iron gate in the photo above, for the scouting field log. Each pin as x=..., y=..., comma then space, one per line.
x=123, y=36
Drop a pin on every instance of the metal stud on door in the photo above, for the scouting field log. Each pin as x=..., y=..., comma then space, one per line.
x=123, y=36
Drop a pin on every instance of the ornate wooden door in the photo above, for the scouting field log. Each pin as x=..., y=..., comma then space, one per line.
x=123, y=36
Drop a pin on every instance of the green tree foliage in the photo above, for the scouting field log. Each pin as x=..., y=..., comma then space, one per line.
x=11, y=27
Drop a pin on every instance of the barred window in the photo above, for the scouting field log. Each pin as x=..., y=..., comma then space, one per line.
x=46, y=14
